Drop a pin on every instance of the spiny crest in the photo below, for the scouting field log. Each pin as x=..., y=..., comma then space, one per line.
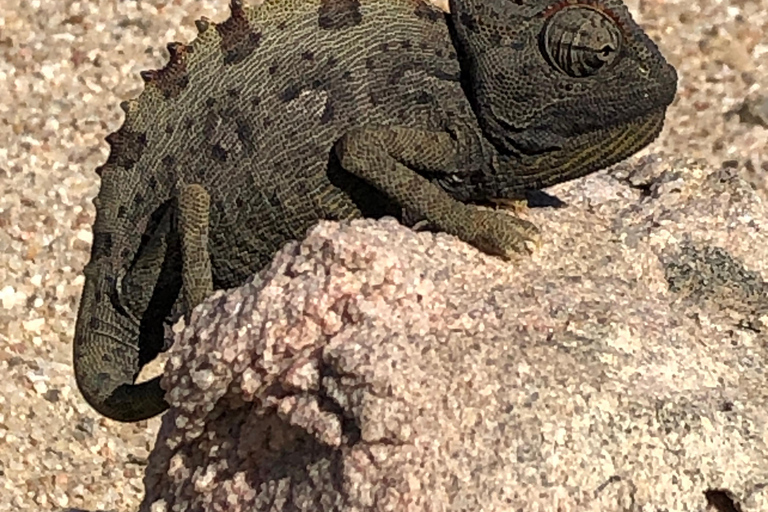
x=236, y=10
x=238, y=40
x=339, y=14
x=173, y=78
x=126, y=145
x=127, y=105
x=202, y=24
x=125, y=148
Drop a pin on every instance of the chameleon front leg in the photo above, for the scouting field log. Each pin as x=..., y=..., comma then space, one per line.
x=196, y=275
x=386, y=158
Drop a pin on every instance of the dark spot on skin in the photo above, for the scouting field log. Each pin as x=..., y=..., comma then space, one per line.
x=210, y=102
x=245, y=134
x=125, y=253
x=267, y=122
x=307, y=55
x=426, y=12
x=239, y=202
x=217, y=206
x=173, y=78
x=219, y=153
x=273, y=199
x=332, y=61
x=138, y=199
x=444, y=75
x=399, y=71
x=141, y=139
x=168, y=161
x=238, y=38
x=169, y=128
x=405, y=44
x=122, y=211
x=102, y=245
x=255, y=101
x=339, y=14
x=233, y=93
x=211, y=124
x=152, y=182
x=423, y=98
x=125, y=147
x=282, y=25
x=327, y=115
x=316, y=83
x=346, y=75
x=93, y=323
x=376, y=98
x=273, y=68
x=182, y=83
x=188, y=123
x=103, y=379
x=289, y=93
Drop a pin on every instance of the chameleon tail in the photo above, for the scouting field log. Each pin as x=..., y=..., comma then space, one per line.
x=107, y=357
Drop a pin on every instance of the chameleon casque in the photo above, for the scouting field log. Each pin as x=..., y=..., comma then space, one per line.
x=300, y=110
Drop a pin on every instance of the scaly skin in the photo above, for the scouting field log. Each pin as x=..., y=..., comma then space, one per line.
x=300, y=110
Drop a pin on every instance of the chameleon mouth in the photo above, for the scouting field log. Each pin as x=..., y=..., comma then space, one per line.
x=592, y=152
x=615, y=145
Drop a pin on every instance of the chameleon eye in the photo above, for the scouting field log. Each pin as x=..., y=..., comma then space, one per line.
x=580, y=41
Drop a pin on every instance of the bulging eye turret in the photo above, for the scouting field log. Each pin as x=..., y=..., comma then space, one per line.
x=580, y=41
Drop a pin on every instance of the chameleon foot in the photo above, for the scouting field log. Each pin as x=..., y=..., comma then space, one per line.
x=502, y=234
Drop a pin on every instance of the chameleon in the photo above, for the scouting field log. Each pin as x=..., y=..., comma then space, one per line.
x=294, y=111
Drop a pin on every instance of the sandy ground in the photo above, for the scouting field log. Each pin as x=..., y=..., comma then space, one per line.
x=65, y=66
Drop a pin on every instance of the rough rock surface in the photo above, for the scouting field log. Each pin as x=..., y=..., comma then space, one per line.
x=64, y=68
x=622, y=368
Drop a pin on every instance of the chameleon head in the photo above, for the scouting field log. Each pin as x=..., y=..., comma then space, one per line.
x=562, y=88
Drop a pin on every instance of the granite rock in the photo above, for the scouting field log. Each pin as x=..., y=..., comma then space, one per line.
x=370, y=367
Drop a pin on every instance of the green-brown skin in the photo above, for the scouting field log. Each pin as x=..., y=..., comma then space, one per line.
x=301, y=110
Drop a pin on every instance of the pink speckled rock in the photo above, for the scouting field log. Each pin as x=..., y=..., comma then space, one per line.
x=372, y=368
